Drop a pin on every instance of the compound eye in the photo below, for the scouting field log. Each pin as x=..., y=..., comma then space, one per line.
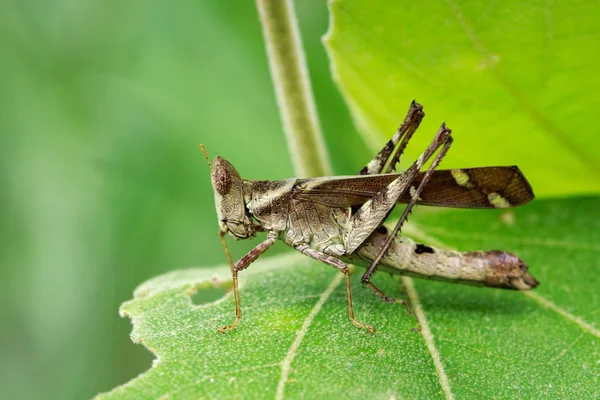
x=221, y=181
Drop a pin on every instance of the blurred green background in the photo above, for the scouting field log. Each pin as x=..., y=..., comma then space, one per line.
x=102, y=108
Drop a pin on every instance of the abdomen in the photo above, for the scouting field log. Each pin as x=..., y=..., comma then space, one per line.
x=493, y=268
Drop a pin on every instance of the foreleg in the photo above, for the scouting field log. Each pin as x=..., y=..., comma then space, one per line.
x=242, y=264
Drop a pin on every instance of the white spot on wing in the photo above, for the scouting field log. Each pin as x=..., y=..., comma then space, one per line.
x=498, y=201
x=461, y=178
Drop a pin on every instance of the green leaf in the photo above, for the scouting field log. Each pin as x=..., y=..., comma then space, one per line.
x=295, y=338
x=517, y=81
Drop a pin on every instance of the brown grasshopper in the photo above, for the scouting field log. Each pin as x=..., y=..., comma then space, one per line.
x=338, y=220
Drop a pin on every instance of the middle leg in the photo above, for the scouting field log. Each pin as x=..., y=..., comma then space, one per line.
x=343, y=268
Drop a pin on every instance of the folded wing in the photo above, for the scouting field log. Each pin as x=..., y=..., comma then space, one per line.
x=485, y=187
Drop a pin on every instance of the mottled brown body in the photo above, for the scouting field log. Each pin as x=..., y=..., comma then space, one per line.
x=338, y=220
x=493, y=268
x=302, y=222
x=297, y=222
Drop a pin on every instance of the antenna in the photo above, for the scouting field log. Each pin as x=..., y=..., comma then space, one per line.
x=205, y=154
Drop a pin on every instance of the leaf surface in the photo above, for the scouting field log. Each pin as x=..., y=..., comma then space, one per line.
x=295, y=340
x=516, y=81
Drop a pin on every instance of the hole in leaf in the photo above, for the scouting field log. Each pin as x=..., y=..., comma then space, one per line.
x=208, y=295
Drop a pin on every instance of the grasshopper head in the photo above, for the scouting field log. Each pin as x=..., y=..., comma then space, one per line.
x=229, y=200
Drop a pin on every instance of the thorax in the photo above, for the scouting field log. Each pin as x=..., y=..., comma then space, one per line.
x=269, y=202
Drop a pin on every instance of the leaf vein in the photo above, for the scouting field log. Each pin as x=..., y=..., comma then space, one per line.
x=428, y=336
x=561, y=311
x=287, y=361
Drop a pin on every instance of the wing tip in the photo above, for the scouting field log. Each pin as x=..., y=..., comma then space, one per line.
x=527, y=190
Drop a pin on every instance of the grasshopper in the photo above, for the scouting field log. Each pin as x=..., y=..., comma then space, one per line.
x=338, y=220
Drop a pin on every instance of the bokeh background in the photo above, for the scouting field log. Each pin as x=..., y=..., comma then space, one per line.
x=102, y=107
